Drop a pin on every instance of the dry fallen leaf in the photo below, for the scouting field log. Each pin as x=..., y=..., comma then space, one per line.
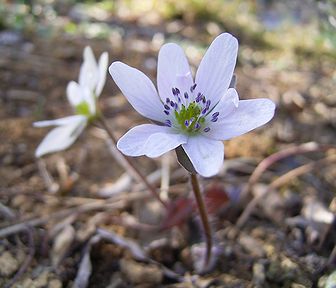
x=62, y=244
x=85, y=266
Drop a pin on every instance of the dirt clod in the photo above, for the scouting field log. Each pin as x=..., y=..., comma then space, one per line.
x=138, y=273
x=8, y=264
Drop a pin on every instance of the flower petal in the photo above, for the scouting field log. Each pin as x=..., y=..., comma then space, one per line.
x=58, y=122
x=214, y=74
x=133, y=142
x=205, y=154
x=61, y=137
x=173, y=71
x=228, y=104
x=139, y=90
x=149, y=139
x=249, y=115
x=74, y=94
x=89, y=99
x=102, y=69
x=88, y=75
x=160, y=143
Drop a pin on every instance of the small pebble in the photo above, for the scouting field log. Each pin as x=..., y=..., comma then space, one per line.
x=8, y=264
x=138, y=273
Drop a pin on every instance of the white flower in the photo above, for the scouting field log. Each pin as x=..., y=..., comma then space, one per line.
x=195, y=114
x=82, y=97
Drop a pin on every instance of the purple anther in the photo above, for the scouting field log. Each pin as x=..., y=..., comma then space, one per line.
x=214, y=119
x=197, y=126
x=172, y=104
x=186, y=123
x=204, y=111
x=203, y=99
x=199, y=97
x=166, y=107
x=207, y=129
x=167, y=100
x=192, y=88
x=179, y=99
x=168, y=123
x=177, y=91
x=173, y=91
x=208, y=102
x=175, y=106
x=186, y=96
x=166, y=112
x=215, y=115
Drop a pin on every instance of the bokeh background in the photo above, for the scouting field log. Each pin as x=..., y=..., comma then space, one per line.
x=287, y=53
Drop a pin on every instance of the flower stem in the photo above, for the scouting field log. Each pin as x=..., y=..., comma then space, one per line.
x=129, y=162
x=204, y=217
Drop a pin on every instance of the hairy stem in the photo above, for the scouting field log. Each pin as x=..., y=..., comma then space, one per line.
x=204, y=217
x=130, y=164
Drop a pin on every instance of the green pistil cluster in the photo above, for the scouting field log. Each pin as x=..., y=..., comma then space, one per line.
x=84, y=109
x=189, y=118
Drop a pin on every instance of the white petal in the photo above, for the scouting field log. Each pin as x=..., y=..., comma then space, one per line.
x=133, y=142
x=61, y=137
x=214, y=74
x=149, y=139
x=227, y=105
x=90, y=99
x=102, y=69
x=160, y=143
x=249, y=115
x=139, y=90
x=88, y=75
x=58, y=122
x=74, y=93
x=78, y=94
x=173, y=71
x=205, y=154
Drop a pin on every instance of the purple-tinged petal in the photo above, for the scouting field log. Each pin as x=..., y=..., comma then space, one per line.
x=160, y=143
x=139, y=90
x=249, y=115
x=205, y=154
x=173, y=71
x=228, y=103
x=214, y=74
x=149, y=139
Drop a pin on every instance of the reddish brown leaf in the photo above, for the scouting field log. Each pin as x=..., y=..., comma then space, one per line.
x=178, y=212
x=215, y=198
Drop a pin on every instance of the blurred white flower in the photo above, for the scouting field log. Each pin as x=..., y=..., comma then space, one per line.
x=198, y=114
x=82, y=97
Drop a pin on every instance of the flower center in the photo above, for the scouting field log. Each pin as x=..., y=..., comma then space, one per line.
x=83, y=109
x=187, y=112
x=189, y=118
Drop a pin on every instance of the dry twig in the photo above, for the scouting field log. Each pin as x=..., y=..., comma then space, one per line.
x=126, y=162
x=51, y=185
x=285, y=178
x=165, y=176
x=113, y=203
